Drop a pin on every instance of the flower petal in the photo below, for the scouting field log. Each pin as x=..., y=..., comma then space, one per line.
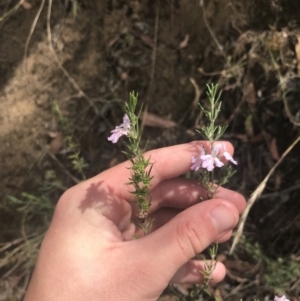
x=227, y=155
x=196, y=160
x=218, y=162
x=283, y=298
x=114, y=137
x=121, y=130
x=126, y=122
x=208, y=164
x=202, y=151
x=215, y=150
x=229, y=158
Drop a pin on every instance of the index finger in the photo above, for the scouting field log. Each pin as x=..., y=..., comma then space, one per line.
x=168, y=162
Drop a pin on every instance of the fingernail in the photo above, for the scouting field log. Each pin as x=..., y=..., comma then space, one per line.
x=223, y=218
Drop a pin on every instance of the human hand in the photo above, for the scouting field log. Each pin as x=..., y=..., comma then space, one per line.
x=89, y=252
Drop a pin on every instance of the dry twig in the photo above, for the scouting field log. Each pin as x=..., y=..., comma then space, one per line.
x=14, y=9
x=256, y=194
x=220, y=47
x=35, y=20
x=192, y=108
x=153, y=63
x=73, y=178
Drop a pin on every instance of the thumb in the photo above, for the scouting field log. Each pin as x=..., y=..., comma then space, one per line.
x=189, y=233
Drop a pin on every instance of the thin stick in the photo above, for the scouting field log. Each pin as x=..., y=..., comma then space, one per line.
x=7, y=245
x=221, y=48
x=35, y=20
x=194, y=104
x=197, y=93
x=255, y=195
x=65, y=72
x=74, y=179
x=14, y=9
x=154, y=52
x=153, y=64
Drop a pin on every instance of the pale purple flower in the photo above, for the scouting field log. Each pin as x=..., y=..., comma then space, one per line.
x=122, y=129
x=212, y=160
x=209, y=161
x=227, y=155
x=283, y=298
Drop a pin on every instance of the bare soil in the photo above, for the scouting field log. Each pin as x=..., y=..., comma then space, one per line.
x=166, y=51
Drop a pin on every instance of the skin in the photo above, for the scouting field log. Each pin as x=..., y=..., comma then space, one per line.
x=89, y=252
